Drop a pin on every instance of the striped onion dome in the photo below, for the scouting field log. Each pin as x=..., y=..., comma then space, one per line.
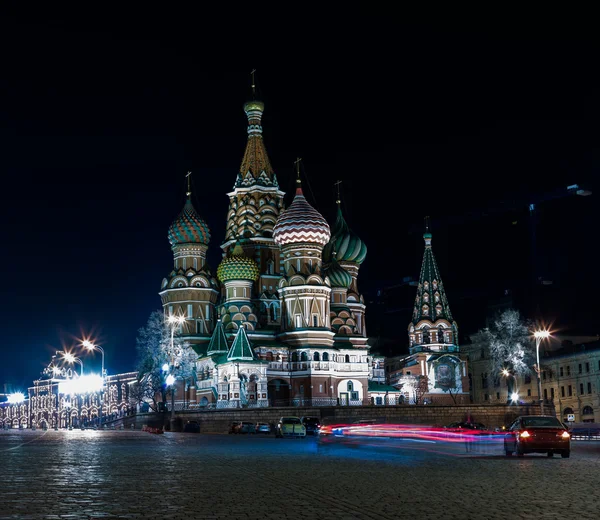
x=338, y=276
x=188, y=227
x=301, y=223
x=237, y=266
x=345, y=243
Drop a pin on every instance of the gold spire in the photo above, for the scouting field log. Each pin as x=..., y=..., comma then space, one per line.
x=337, y=185
x=297, y=163
x=189, y=185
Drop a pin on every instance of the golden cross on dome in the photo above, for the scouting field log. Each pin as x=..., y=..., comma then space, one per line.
x=253, y=83
x=337, y=184
x=297, y=163
x=189, y=184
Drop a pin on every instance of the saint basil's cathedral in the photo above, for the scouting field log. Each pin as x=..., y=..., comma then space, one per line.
x=283, y=321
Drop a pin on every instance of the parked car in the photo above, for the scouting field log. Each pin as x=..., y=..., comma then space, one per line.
x=537, y=434
x=235, y=427
x=247, y=427
x=262, y=427
x=311, y=424
x=290, y=427
x=192, y=427
x=464, y=425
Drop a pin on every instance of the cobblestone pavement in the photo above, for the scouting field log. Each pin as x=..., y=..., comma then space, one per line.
x=135, y=475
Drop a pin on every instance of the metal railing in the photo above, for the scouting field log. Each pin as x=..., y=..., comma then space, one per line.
x=300, y=366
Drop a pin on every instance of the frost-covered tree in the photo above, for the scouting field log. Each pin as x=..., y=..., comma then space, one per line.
x=160, y=345
x=510, y=346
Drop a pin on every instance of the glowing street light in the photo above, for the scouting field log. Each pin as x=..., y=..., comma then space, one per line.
x=91, y=346
x=70, y=358
x=16, y=398
x=539, y=335
x=513, y=394
x=174, y=321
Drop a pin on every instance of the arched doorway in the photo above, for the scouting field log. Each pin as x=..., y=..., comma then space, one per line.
x=279, y=392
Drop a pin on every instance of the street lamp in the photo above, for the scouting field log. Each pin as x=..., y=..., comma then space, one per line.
x=91, y=346
x=174, y=321
x=513, y=394
x=70, y=358
x=539, y=336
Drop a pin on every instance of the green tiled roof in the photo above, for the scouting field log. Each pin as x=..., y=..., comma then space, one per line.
x=378, y=387
x=218, y=341
x=431, y=303
x=241, y=349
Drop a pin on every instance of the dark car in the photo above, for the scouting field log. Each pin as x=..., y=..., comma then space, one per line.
x=466, y=426
x=537, y=434
x=235, y=427
x=192, y=427
x=311, y=424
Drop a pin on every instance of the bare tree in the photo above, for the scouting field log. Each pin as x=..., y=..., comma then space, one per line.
x=511, y=350
x=160, y=345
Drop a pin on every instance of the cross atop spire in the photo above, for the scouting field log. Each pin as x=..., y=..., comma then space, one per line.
x=298, y=181
x=253, y=83
x=188, y=193
x=337, y=185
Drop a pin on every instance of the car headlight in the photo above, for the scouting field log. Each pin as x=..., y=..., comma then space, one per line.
x=565, y=435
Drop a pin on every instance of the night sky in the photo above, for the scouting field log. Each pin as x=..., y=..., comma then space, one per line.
x=102, y=114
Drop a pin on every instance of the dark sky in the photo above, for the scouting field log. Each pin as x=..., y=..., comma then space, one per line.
x=102, y=113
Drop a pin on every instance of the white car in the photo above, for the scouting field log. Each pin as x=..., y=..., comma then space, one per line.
x=290, y=427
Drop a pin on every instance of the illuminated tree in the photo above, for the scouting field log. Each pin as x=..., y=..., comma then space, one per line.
x=511, y=350
x=159, y=347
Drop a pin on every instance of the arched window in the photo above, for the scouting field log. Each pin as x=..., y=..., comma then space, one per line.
x=347, y=358
x=350, y=386
x=269, y=356
x=294, y=356
x=325, y=356
x=587, y=410
x=316, y=356
x=303, y=356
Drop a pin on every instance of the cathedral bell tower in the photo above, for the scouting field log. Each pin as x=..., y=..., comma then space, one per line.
x=254, y=207
x=302, y=232
x=190, y=289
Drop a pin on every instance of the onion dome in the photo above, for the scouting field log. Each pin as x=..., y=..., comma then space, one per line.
x=301, y=223
x=346, y=244
x=338, y=276
x=237, y=266
x=188, y=227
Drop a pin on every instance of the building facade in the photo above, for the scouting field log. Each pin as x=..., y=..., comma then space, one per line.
x=570, y=377
x=282, y=321
x=49, y=404
x=434, y=370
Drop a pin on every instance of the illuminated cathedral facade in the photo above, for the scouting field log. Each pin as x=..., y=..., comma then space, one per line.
x=281, y=321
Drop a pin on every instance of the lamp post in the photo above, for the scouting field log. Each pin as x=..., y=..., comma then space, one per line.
x=539, y=336
x=174, y=321
x=91, y=346
x=70, y=358
x=514, y=394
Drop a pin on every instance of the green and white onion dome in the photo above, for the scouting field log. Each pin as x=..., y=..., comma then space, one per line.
x=188, y=227
x=237, y=266
x=346, y=244
x=338, y=276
